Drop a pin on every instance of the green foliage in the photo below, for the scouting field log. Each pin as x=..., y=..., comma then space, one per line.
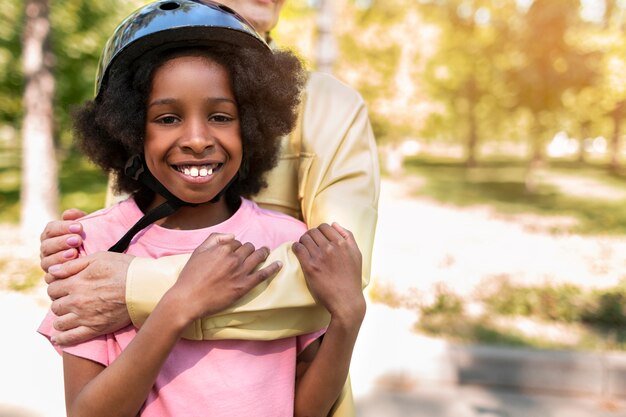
x=373, y=58
x=501, y=184
x=593, y=319
x=562, y=303
x=472, y=330
x=465, y=73
x=606, y=307
x=445, y=303
x=81, y=184
x=11, y=82
x=79, y=30
x=558, y=303
x=29, y=278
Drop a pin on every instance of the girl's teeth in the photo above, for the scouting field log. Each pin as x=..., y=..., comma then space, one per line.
x=202, y=171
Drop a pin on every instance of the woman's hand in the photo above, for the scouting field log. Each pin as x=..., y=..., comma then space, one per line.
x=331, y=262
x=220, y=271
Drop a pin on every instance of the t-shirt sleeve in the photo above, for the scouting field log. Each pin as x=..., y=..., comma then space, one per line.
x=303, y=341
x=96, y=350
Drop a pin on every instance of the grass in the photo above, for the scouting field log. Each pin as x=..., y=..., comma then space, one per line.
x=501, y=184
x=543, y=316
x=29, y=278
x=81, y=185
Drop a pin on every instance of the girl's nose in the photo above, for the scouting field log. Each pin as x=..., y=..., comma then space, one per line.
x=197, y=138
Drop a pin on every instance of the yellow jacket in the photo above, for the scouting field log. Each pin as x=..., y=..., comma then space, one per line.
x=328, y=171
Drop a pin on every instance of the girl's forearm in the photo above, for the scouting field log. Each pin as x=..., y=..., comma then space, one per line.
x=122, y=388
x=320, y=386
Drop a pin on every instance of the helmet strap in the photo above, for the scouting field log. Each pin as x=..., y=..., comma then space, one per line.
x=137, y=169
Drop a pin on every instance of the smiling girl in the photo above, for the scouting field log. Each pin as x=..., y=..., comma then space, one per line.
x=188, y=118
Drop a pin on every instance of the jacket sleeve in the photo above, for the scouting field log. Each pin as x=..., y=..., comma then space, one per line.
x=338, y=181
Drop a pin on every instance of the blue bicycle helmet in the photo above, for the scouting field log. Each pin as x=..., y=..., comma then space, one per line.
x=174, y=23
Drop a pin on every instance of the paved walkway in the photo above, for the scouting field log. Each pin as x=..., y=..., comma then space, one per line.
x=481, y=402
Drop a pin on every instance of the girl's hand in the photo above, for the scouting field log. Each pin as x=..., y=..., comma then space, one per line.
x=220, y=271
x=331, y=262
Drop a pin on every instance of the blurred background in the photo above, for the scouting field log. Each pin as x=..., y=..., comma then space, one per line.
x=500, y=126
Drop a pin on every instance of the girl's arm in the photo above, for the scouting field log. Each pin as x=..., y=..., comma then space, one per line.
x=121, y=388
x=331, y=262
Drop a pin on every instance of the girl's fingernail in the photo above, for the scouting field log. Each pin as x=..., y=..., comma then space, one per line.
x=72, y=241
x=54, y=268
x=75, y=228
x=69, y=253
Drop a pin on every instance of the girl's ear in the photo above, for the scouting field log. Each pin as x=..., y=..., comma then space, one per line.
x=134, y=166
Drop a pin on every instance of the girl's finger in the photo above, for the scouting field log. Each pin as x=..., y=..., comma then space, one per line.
x=265, y=273
x=346, y=234
x=245, y=250
x=318, y=237
x=330, y=232
x=254, y=258
x=307, y=241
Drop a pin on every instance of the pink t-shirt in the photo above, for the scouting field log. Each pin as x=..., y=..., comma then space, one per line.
x=202, y=378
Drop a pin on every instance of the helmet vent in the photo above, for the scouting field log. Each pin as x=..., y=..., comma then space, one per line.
x=170, y=5
x=226, y=9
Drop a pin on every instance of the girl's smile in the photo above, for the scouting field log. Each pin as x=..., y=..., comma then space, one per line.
x=193, y=141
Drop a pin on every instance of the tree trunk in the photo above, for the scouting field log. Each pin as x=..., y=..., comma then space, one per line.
x=615, y=141
x=536, y=158
x=326, y=45
x=614, y=148
x=585, y=129
x=537, y=144
x=472, y=137
x=471, y=92
x=39, y=191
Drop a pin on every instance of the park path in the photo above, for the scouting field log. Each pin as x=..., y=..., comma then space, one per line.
x=421, y=243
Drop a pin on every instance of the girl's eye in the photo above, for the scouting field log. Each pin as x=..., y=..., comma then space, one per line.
x=220, y=118
x=167, y=120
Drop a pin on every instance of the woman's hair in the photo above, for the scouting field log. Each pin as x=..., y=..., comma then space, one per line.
x=267, y=86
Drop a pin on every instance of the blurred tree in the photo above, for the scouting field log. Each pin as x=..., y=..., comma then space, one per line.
x=80, y=30
x=326, y=50
x=11, y=75
x=382, y=46
x=39, y=191
x=465, y=74
x=550, y=64
x=614, y=82
x=599, y=109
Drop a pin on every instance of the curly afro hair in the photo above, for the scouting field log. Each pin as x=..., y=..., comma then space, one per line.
x=267, y=87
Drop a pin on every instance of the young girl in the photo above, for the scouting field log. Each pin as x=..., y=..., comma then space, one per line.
x=197, y=107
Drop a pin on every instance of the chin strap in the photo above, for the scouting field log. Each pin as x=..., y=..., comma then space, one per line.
x=137, y=169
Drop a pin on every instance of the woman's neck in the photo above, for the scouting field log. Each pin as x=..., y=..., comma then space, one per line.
x=197, y=217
